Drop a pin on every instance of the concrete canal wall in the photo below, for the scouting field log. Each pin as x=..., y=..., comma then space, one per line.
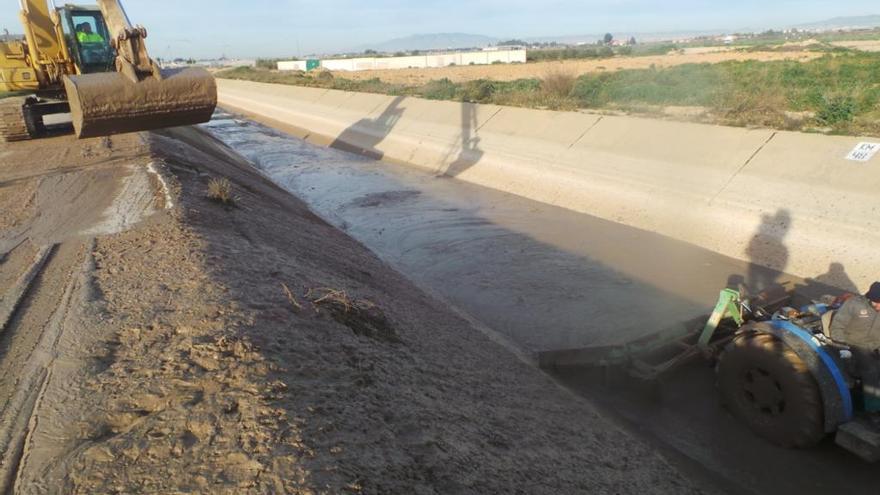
x=789, y=201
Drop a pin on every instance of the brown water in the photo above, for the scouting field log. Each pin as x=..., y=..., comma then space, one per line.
x=548, y=278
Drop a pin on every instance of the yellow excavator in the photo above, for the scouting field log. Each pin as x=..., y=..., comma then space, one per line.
x=91, y=62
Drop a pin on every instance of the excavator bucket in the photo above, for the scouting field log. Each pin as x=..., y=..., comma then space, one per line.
x=109, y=103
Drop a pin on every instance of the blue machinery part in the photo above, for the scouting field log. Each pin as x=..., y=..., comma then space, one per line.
x=835, y=390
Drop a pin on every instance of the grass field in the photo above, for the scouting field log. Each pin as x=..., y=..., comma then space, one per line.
x=837, y=93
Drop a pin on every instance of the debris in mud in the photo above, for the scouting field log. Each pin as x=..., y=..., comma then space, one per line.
x=297, y=307
x=363, y=317
x=220, y=190
x=383, y=198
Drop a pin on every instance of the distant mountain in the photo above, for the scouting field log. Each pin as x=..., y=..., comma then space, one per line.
x=866, y=21
x=443, y=41
x=436, y=41
x=858, y=22
x=641, y=37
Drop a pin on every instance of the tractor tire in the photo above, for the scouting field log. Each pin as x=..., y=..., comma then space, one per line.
x=767, y=386
x=12, y=123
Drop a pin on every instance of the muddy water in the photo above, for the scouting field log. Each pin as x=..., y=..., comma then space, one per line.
x=548, y=278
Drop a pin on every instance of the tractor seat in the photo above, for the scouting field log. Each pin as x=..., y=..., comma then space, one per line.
x=826, y=323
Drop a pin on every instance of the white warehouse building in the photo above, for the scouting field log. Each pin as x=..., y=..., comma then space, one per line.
x=414, y=62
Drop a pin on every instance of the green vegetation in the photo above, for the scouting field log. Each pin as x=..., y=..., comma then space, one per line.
x=653, y=49
x=479, y=91
x=317, y=79
x=842, y=91
x=588, y=52
x=860, y=35
x=271, y=63
x=775, y=39
x=838, y=92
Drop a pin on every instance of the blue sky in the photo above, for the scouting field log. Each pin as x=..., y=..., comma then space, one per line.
x=248, y=28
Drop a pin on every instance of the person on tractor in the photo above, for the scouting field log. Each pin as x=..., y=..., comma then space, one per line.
x=857, y=322
x=857, y=325
x=85, y=35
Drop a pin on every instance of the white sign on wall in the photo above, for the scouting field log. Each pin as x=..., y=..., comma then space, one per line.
x=863, y=152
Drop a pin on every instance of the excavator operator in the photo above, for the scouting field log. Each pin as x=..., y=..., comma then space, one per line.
x=85, y=35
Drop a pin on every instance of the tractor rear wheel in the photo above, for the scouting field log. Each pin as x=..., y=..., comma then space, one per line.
x=12, y=122
x=766, y=385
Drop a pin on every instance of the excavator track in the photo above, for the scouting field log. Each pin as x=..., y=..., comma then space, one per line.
x=12, y=123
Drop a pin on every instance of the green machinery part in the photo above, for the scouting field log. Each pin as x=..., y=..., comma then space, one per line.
x=729, y=305
x=660, y=352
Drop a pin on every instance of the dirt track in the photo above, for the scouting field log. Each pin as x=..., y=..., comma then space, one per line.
x=510, y=72
x=148, y=345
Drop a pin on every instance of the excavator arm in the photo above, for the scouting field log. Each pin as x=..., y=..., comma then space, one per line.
x=132, y=59
x=139, y=95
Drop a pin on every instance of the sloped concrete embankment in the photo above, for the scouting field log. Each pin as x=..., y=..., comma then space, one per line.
x=784, y=200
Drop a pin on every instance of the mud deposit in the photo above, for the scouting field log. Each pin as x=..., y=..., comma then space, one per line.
x=155, y=341
x=540, y=278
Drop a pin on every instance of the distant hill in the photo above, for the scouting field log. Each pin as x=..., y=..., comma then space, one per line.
x=436, y=41
x=443, y=41
x=867, y=21
x=642, y=37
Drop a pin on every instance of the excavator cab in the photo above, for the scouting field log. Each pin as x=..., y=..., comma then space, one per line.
x=88, y=40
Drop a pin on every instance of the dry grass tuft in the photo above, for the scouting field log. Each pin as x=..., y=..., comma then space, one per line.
x=558, y=83
x=297, y=307
x=330, y=298
x=363, y=317
x=220, y=190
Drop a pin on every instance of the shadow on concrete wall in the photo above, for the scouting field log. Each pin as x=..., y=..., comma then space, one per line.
x=363, y=136
x=767, y=247
x=468, y=148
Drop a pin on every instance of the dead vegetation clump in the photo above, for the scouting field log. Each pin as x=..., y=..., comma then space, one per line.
x=323, y=75
x=220, y=190
x=558, y=83
x=556, y=88
x=753, y=107
x=297, y=307
x=363, y=317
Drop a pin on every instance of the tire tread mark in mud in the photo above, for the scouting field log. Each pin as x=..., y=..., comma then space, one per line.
x=17, y=415
x=12, y=300
x=108, y=163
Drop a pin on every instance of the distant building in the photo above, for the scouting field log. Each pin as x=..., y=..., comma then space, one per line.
x=500, y=48
x=429, y=60
x=213, y=63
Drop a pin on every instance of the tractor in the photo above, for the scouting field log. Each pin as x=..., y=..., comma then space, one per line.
x=778, y=369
